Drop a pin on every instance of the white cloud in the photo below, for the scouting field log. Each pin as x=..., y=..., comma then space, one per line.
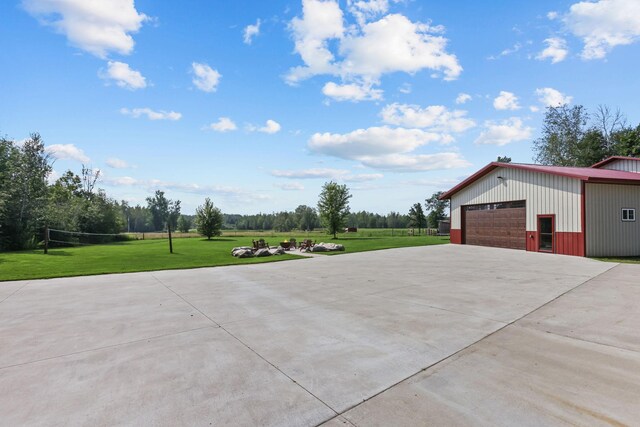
x=251, y=31
x=151, y=114
x=363, y=177
x=373, y=141
x=363, y=52
x=506, y=52
x=552, y=15
x=462, y=98
x=123, y=76
x=326, y=173
x=126, y=181
x=290, y=186
x=231, y=193
x=394, y=43
x=506, y=101
x=321, y=21
x=435, y=117
x=52, y=177
x=270, y=127
x=205, y=78
x=67, y=152
x=534, y=108
x=386, y=149
x=115, y=163
x=417, y=162
x=552, y=98
x=224, y=124
x=98, y=27
x=504, y=132
x=556, y=50
x=365, y=10
x=405, y=88
x=351, y=92
x=604, y=24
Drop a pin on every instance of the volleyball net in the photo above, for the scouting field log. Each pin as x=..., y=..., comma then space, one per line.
x=57, y=237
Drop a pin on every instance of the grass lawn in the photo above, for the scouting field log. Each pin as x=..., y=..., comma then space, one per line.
x=624, y=260
x=148, y=255
x=362, y=244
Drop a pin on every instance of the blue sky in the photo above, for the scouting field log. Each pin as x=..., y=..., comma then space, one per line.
x=257, y=103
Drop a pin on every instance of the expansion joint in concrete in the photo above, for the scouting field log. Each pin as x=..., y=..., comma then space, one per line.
x=14, y=292
x=512, y=323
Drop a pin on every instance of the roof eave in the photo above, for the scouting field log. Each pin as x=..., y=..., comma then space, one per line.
x=612, y=159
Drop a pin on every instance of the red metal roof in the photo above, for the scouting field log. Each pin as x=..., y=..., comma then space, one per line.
x=612, y=159
x=589, y=174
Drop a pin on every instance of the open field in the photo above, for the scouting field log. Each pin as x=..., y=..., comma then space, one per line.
x=149, y=255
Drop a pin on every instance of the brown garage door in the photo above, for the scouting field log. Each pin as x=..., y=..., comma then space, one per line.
x=501, y=225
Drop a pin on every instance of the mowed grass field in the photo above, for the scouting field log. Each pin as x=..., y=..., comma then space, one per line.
x=149, y=255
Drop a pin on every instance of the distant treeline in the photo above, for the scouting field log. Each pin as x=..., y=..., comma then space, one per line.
x=29, y=203
x=306, y=218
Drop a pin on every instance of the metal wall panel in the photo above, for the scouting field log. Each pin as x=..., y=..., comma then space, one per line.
x=624, y=165
x=544, y=194
x=607, y=234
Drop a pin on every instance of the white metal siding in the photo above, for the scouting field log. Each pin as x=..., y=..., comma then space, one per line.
x=624, y=165
x=607, y=234
x=544, y=194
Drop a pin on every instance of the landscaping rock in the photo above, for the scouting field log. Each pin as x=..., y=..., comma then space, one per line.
x=242, y=253
x=277, y=251
x=262, y=252
x=326, y=247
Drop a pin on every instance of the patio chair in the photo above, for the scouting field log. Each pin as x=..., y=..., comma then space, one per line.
x=306, y=244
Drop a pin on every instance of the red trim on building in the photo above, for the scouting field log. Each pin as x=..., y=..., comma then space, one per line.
x=456, y=236
x=583, y=217
x=569, y=243
x=565, y=243
x=613, y=159
x=532, y=241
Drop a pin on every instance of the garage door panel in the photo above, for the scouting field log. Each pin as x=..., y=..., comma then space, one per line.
x=502, y=228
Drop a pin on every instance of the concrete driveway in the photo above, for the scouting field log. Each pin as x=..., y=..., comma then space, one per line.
x=440, y=335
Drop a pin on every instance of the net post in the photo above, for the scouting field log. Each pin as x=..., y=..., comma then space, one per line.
x=170, y=242
x=46, y=239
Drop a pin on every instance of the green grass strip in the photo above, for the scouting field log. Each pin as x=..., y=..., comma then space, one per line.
x=149, y=255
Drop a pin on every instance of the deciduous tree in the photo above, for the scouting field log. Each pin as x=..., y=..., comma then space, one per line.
x=208, y=219
x=417, y=219
x=333, y=207
x=306, y=217
x=23, y=191
x=165, y=212
x=437, y=209
x=562, y=131
x=184, y=224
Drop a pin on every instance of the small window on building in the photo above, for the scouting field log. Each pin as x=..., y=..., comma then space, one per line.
x=628, y=214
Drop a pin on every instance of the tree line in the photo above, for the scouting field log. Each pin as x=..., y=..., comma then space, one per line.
x=572, y=136
x=29, y=203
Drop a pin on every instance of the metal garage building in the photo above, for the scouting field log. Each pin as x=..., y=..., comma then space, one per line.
x=564, y=210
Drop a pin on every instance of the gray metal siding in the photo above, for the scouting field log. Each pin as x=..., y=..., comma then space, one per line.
x=544, y=194
x=624, y=165
x=607, y=234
